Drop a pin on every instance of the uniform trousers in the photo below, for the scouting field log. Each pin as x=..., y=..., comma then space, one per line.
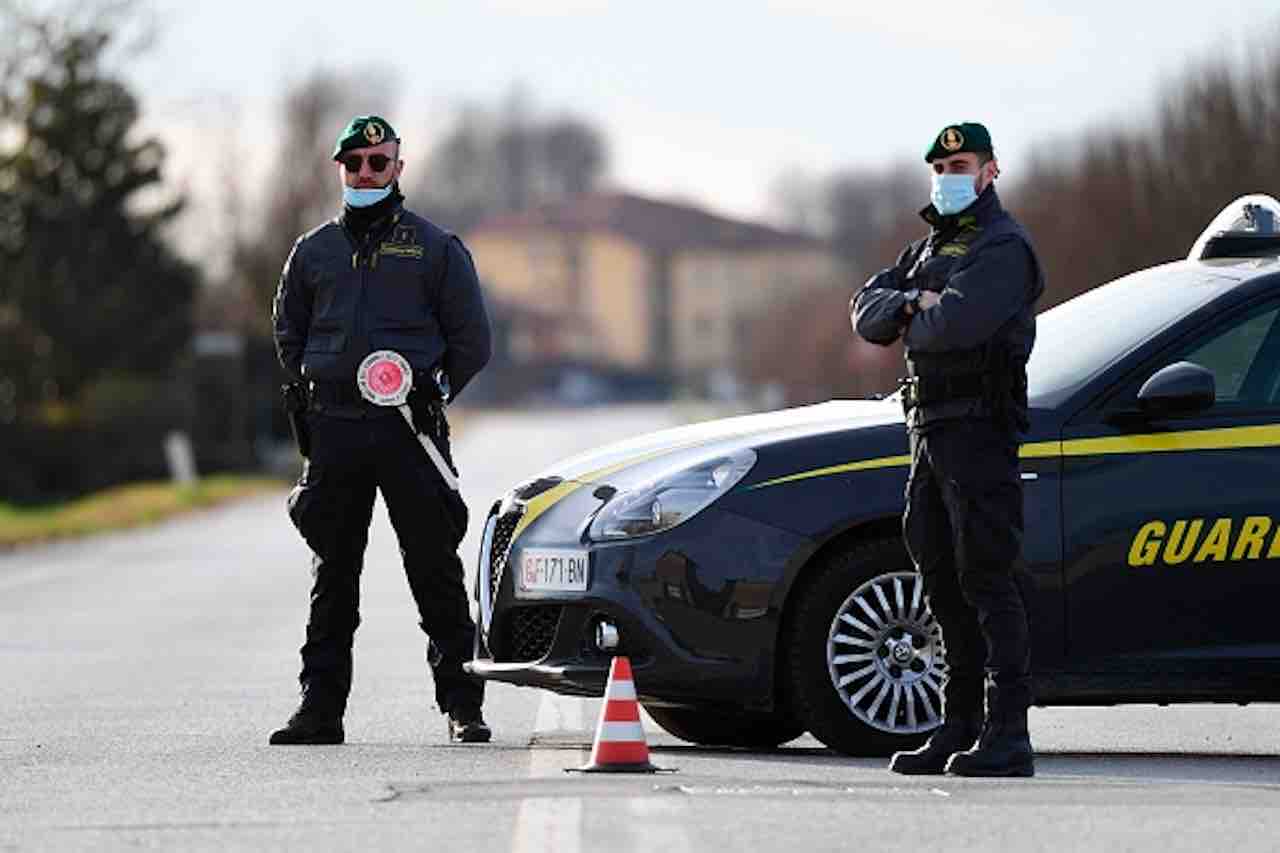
x=352, y=457
x=963, y=528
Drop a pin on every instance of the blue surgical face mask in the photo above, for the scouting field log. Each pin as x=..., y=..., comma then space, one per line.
x=953, y=193
x=363, y=196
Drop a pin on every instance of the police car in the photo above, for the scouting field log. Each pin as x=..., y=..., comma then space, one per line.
x=753, y=569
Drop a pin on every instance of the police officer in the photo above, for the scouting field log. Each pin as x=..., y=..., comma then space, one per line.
x=962, y=301
x=379, y=277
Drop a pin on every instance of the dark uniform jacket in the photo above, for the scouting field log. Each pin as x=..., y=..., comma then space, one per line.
x=408, y=286
x=982, y=264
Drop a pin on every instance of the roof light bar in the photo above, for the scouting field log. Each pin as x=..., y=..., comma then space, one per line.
x=1246, y=226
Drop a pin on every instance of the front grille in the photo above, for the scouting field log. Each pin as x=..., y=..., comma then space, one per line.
x=531, y=631
x=501, y=548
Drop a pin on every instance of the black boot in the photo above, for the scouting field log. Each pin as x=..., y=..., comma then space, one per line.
x=466, y=725
x=957, y=733
x=1005, y=746
x=318, y=720
x=961, y=725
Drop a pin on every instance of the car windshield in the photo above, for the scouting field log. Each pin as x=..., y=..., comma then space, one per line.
x=1082, y=337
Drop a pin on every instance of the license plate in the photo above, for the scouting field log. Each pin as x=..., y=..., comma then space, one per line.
x=553, y=570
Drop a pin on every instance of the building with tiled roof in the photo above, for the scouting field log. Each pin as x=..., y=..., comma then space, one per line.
x=643, y=284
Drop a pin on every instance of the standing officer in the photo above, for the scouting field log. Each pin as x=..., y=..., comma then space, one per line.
x=962, y=300
x=379, y=277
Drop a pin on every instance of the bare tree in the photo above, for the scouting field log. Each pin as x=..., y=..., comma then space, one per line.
x=515, y=151
x=796, y=199
x=506, y=160
x=574, y=155
x=1123, y=199
x=1130, y=198
x=303, y=190
x=864, y=206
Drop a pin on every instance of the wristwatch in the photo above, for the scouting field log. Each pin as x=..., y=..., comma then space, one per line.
x=912, y=297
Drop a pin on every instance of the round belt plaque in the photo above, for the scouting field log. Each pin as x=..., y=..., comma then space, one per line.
x=385, y=378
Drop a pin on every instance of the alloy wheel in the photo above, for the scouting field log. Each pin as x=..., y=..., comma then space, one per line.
x=885, y=655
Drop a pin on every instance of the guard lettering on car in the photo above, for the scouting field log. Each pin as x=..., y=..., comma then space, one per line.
x=1204, y=540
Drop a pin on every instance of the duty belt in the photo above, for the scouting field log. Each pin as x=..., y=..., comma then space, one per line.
x=927, y=390
x=336, y=394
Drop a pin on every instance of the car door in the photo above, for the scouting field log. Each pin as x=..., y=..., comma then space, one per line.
x=1170, y=524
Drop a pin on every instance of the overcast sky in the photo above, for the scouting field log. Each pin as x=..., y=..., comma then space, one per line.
x=707, y=101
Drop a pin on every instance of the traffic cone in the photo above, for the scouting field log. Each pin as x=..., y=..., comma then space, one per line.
x=619, y=746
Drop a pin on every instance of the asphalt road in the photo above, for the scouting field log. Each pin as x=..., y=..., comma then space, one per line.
x=140, y=674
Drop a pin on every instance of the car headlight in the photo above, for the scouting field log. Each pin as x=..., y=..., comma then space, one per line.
x=671, y=498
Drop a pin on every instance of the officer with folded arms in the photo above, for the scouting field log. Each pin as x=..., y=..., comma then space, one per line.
x=963, y=302
x=378, y=277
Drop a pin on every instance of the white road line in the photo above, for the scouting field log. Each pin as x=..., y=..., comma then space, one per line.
x=659, y=821
x=549, y=826
x=558, y=714
x=543, y=826
x=659, y=824
x=555, y=825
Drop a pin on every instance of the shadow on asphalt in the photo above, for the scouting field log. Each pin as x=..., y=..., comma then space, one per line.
x=1103, y=777
x=1166, y=766
x=1245, y=768
x=1241, y=768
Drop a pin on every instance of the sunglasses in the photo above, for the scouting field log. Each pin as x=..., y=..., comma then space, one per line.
x=353, y=162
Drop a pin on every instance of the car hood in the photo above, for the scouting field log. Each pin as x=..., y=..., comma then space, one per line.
x=723, y=436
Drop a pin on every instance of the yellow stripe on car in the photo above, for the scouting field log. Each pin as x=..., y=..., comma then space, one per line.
x=1035, y=450
x=1040, y=450
x=1161, y=442
x=1230, y=438
x=538, y=505
x=863, y=465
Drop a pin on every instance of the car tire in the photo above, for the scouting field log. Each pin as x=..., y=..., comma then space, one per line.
x=862, y=654
x=717, y=728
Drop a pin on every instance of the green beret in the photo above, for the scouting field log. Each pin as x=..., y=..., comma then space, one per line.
x=968, y=136
x=364, y=131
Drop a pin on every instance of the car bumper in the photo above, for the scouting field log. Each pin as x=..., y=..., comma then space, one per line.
x=695, y=630
x=570, y=679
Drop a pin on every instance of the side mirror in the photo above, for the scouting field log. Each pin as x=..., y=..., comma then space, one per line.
x=1180, y=388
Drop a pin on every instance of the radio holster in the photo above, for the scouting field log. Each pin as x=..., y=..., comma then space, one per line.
x=296, y=400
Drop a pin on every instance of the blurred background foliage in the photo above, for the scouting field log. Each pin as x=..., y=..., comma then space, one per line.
x=95, y=306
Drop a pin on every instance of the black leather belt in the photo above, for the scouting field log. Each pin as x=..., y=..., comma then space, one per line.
x=927, y=390
x=336, y=394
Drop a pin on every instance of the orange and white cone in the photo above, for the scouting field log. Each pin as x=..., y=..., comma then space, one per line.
x=620, y=746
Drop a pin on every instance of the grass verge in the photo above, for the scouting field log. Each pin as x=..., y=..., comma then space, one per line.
x=123, y=506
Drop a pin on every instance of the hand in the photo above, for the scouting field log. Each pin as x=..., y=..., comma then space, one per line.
x=928, y=299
